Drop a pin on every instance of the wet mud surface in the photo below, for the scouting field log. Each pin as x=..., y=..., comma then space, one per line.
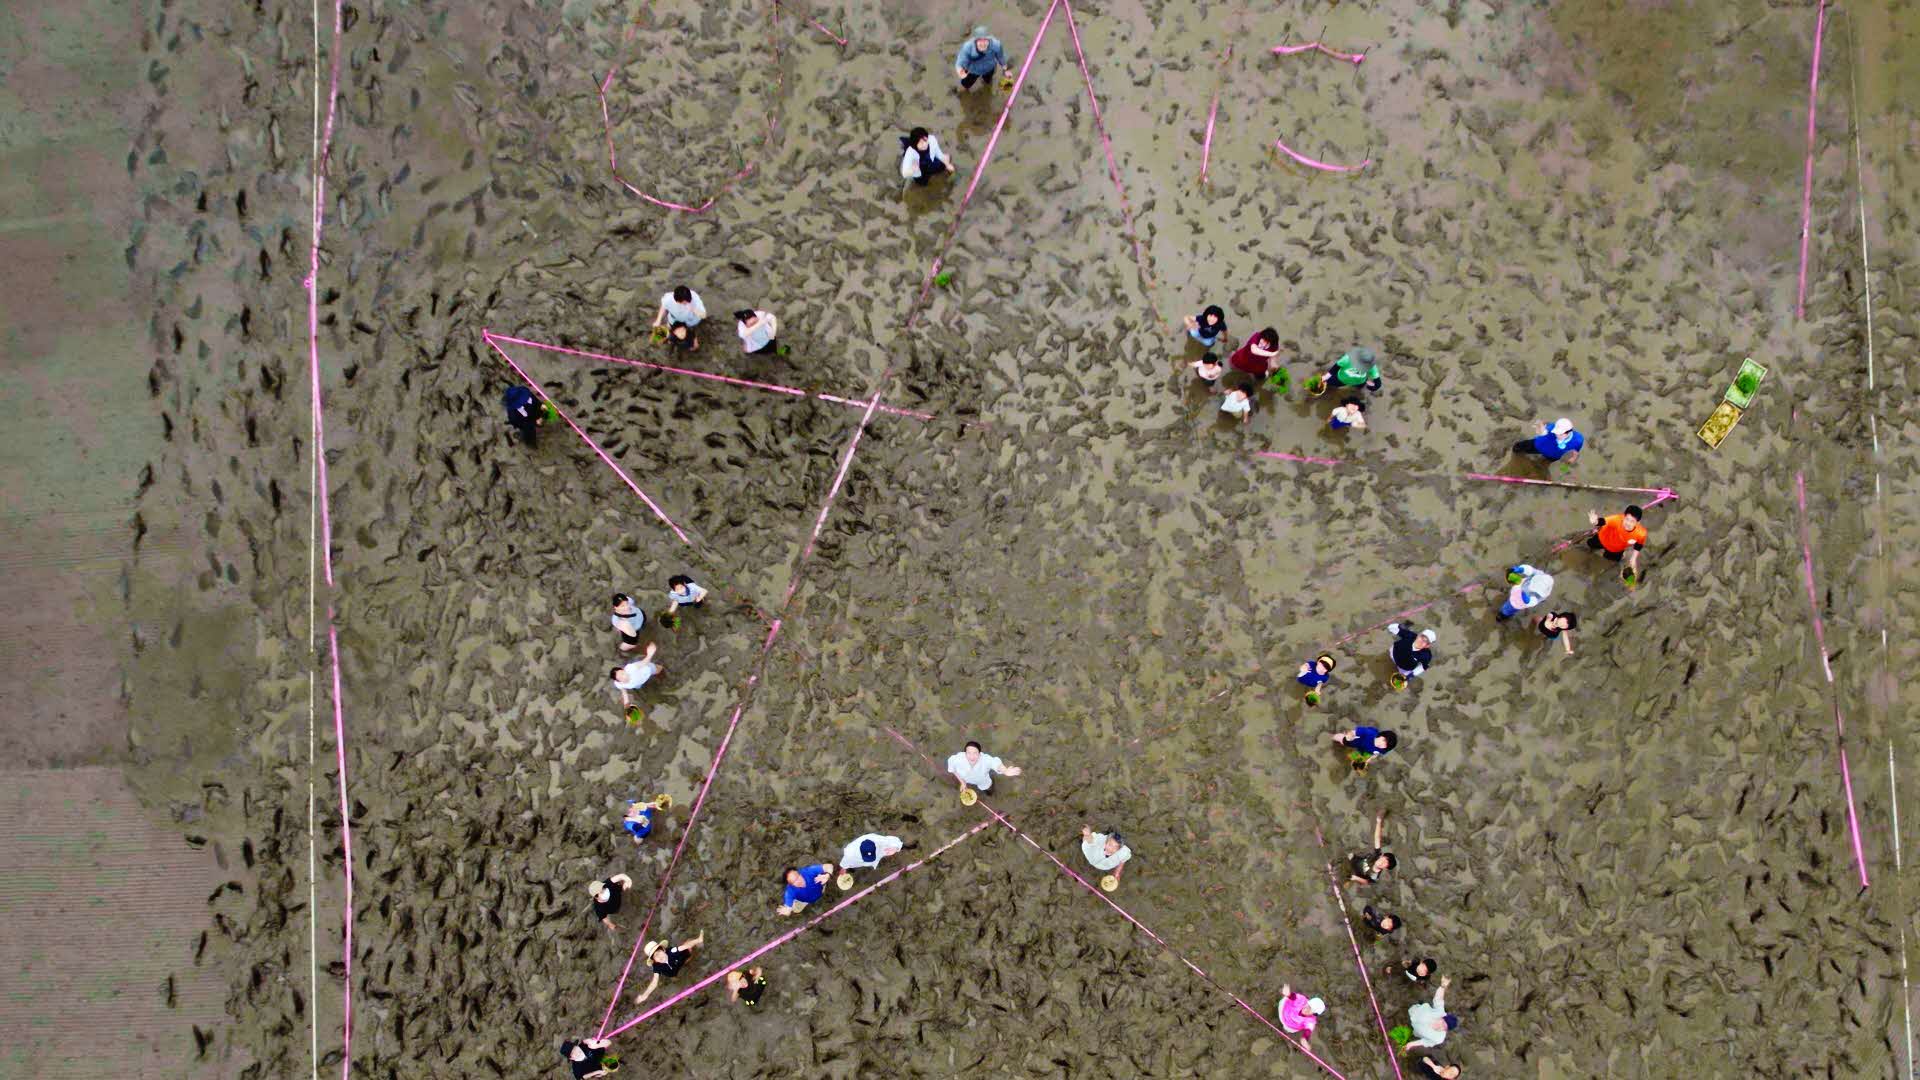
x=1633, y=861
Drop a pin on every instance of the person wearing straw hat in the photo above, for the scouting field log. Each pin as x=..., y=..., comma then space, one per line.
x=1528, y=585
x=979, y=57
x=1557, y=441
x=666, y=962
x=866, y=852
x=1105, y=851
x=1412, y=653
x=606, y=898
x=1299, y=1014
x=1431, y=1021
x=586, y=1057
x=804, y=886
x=634, y=676
x=974, y=767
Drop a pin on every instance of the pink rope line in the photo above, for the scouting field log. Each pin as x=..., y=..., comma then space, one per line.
x=1820, y=640
x=1314, y=164
x=980, y=167
x=1806, y=194
x=613, y=161
x=772, y=388
x=1315, y=46
x=1148, y=283
x=842, y=42
x=1213, y=110
x=1663, y=493
x=1127, y=915
x=312, y=285
x=1346, y=918
x=783, y=939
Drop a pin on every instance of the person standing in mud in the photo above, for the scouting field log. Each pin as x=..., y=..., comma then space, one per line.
x=638, y=821
x=748, y=986
x=921, y=158
x=684, y=592
x=1367, y=867
x=607, y=896
x=1431, y=1022
x=756, y=330
x=585, y=1057
x=666, y=962
x=1105, y=851
x=1259, y=355
x=1366, y=742
x=1411, y=653
x=634, y=676
x=682, y=307
x=973, y=766
x=628, y=619
x=1314, y=675
x=804, y=886
x=1299, y=1014
x=1528, y=586
x=1416, y=972
x=1382, y=923
x=979, y=57
x=865, y=852
x=1620, y=537
x=1558, y=624
x=524, y=414
x=1557, y=441
x=1207, y=326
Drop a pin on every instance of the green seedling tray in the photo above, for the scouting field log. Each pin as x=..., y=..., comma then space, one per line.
x=1743, y=399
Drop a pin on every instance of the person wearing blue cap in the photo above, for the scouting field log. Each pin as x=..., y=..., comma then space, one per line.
x=979, y=57
x=867, y=851
x=1431, y=1022
x=524, y=413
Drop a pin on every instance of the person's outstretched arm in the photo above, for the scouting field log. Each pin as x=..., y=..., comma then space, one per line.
x=1379, y=828
x=660, y=317
x=1566, y=639
x=652, y=985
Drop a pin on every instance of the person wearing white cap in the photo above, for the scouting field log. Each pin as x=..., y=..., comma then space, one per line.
x=1557, y=441
x=1412, y=653
x=1300, y=1014
x=1529, y=586
x=868, y=850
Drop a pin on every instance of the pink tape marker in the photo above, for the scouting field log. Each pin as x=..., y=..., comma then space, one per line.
x=1820, y=642
x=1313, y=164
x=1806, y=192
x=1315, y=46
x=1213, y=110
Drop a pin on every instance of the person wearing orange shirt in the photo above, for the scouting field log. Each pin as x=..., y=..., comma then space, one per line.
x=1620, y=537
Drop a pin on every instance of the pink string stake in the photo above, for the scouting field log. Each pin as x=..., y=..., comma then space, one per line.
x=1213, y=110
x=1127, y=915
x=980, y=167
x=1826, y=668
x=321, y=485
x=773, y=388
x=1806, y=194
x=790, y=935
x=1314, y=164
x=1663, y=493
x=1315, y=46
x=613, y=161
x=1113, y=168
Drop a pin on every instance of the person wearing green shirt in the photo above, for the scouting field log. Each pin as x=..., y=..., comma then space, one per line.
x=1353, y=370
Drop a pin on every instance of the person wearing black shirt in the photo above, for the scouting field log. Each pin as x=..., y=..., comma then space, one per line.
x=747, y=986
x=1367, y=866
x=666, y=962
x=1415, y=971
x=587, y=1057
x=607, y=896
x=1433, y=1070
x=1380, y=922
x=1412, y=653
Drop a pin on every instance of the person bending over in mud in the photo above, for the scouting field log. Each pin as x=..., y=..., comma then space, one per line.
x=1207, y=369
x=1105, y=851
x=585, y=1057
x=606, y=898
x=804, y=886
x=1431, y=1022
x=682, y=306
x=684, y=592
x=1412, y=653
x=756, y=330
x=1367, y=742
x=1557, y=441
x=1259, y=355
x=865, y=852
x=666, y=962
x=748, y=986
x=1353, y=371
x=634, y=675
x=1382, y=923
x=1367, y=867
x=1299, y=1014
x=638, y=822
x=524, y=414
x=1433, y=1070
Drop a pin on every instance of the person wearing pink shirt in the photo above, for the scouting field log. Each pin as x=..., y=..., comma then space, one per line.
x=1299, y=1014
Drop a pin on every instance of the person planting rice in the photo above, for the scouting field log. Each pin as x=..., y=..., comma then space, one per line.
x=638, y=820
x=804, y=886
x=634, y=676
x=1431, y=1022
x=1259, y=355
x=865, y=852
x=756, y=330
x=684, y=592
x=1238, y=401
x=1366, y=743
x=524, y=414
x=747, y=986
x=1350, y=413
x=682, y=306
x=1207, y=369
x=1354, y=370
x=1558, y=624
x=607, y=896
x=586, y=1057
x=1314, y=675
x=1367, y=867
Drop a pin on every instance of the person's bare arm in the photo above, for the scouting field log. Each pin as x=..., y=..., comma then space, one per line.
x=1008, y=770
x=826, y=874
x=660, y=317
x=625, y=881
x=1566, y=639
x=1379, y=828
x=1633, y=558
x=733, y=991
x=652, y=985
x=1121, y=865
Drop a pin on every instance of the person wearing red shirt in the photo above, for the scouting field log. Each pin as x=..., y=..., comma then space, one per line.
x=1259, y=355
x=1620, y=537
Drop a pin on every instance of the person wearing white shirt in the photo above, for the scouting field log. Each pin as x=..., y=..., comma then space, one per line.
x=628, y=619
x=634, y=675
x=756, y=329
x=1104, y=851
x=868, y=850
x=921, y=158
x=1238, y=403
x=683, y=592
x=973, y=767
x=1530, y=586
x=683, y=306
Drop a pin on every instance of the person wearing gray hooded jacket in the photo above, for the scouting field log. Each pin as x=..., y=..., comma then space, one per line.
x=979, y=57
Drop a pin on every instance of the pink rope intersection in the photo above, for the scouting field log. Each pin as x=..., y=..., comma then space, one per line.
x=1313, y=163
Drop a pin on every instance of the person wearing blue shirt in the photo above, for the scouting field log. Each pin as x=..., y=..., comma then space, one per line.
x=979, y=57
x=1367, y=742
x=1315, y=675
x=804, y=886
x=524, y=413
x=1556, y=442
